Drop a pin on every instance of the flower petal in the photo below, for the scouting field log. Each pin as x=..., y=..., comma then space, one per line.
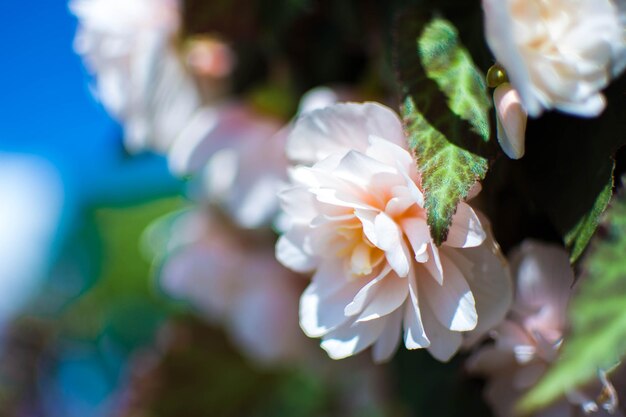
x=358, y=168
x=351, y=339
x=322, y=311
x=433, y=264
x=389, y=238
x=414, y=335
x=416, y=230
x=290, y=250
x=341, y=127
x=298, y=203
x=392, y=292
x=389, y=153
x=444, y=343
x=367, y=293
x=466, y=231
x=544, y=279
x=452, y=302
x=389, y=339
x=490, y=281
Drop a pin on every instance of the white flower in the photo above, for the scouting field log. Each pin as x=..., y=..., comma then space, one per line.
x=558, y=54
x=529, y=340
x=233, y=281
x=129, y=45
x=356, y=218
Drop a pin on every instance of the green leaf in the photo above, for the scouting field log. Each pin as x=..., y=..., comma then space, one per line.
x=598, y=335
x=446, y=111
x=579, y=236
x=125, y=278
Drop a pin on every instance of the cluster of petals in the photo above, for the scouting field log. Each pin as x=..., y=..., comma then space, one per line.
x=558, y=54
x=528, y=341
x=232, y=280
x=356, y=219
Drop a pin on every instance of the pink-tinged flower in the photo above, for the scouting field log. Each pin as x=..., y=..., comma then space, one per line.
x=356, y=218
x=130, y=47
x=558, y=54
x=233, y=280
x=528, y=341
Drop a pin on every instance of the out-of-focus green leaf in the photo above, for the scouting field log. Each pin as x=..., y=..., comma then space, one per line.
x=125, y=276
x=598, y=336
x=446, y=111
x=579, y=236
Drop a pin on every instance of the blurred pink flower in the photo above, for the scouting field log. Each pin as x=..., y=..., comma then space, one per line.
x=233, y=280
x=558, y=54
x=529, y=339
x=356, y=218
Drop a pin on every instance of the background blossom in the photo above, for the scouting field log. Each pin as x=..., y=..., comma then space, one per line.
x=232, y=280
x=528, y=341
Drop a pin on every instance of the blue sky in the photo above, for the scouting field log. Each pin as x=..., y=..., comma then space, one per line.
x=46, y=108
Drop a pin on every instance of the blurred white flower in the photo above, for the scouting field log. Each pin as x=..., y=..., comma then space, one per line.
x=529, y=339
x=356, y=218
x=233, y=280
x=30, y=215
x=558, y=54
x=141, y=77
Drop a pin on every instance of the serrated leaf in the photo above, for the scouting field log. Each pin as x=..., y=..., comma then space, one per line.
x=446, y=112
x=598, y=335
